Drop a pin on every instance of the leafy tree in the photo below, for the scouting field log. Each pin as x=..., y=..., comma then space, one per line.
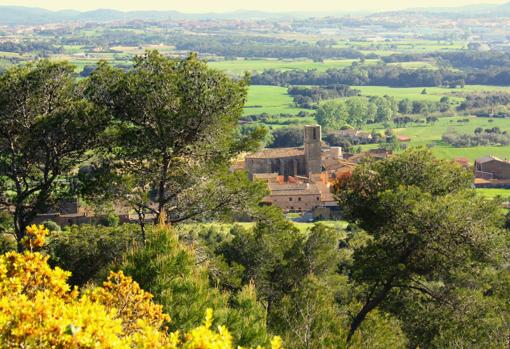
x=46, y=130
x=87, y=251
x=311, y=315
x=331, y=115
x=384, y=109
x=174, y=132
x=261, y=252
x=287, y=137
x=425, y=226
x=405, y=106
x=357, y=109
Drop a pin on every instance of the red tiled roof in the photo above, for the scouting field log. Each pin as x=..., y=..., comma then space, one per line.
x=276, y=153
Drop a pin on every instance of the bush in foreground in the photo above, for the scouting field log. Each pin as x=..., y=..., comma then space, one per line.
x=38, y=309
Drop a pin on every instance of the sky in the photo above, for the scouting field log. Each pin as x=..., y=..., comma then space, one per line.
x=196, y=6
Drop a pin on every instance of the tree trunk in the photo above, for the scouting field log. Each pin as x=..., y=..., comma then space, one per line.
x=161, y=189
x=367, y=308
x=20, y=228
x=141, y=222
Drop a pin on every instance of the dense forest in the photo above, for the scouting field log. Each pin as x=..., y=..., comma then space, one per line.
x=385, y=75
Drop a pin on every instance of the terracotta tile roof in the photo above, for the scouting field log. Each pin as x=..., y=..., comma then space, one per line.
x=334, y=164
x=488, y=159
x=276, y=153
x=403, y=138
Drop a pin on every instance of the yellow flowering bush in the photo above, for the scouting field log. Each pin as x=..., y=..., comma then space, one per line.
x=29, y=273
x=131, y=303
x=38, y=309
x=36, y=237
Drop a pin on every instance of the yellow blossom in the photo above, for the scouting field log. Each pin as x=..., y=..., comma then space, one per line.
x=38, y=309
x=35, y=237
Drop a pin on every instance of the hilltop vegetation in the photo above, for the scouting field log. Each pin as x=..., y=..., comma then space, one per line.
x=121, y=116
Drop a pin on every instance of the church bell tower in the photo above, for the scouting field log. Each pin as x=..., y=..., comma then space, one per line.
x=312, y=140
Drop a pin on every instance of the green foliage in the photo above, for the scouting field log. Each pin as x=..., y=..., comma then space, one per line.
x=52, y=226
x=87, y=251
x=247, y=318
x=411, y=169
x=287, y=137
x=169, y=270
x=46, y=129
x=426, y=227
x=173, y=136
x=331, y=115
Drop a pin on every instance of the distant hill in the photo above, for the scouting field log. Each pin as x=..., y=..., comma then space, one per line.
x=31, y=15
x=477, y=9
x=11, y=15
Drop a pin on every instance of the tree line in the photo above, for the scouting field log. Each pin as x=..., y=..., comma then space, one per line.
x=305, y=97
x=384, y=75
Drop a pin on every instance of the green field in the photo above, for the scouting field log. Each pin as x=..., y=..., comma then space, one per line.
x=493, y=193
x=240, y=66
x=303, y=227
x=433, y=93
x=423, y=134
x=272, y=100
x=383, y=48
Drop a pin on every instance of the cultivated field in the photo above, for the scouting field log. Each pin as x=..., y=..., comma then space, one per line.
x=258, y=65
x=272, y=100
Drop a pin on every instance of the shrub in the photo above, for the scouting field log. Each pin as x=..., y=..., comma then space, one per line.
x=88, y=250
x=40, y=310
x=52, y=226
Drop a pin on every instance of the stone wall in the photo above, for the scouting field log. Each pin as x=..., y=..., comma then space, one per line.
x=499, y=169
x=285, y=166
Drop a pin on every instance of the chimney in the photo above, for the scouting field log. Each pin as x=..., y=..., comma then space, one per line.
x=336, y=153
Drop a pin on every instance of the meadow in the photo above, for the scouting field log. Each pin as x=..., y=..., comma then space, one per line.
x=491, y=193
x=240, y=66
x=225, y=227
x=430, y=135
x=433, y=94
x=272, y=100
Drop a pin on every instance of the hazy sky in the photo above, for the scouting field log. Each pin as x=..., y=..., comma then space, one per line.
x=230, y=5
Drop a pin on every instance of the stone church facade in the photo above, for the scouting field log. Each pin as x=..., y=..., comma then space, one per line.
x=289, y=161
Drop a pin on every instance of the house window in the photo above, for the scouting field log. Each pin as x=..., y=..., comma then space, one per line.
x=292, y=207
x=299, y=199
x=314, y=133
x=318, y=198
x=290, y=199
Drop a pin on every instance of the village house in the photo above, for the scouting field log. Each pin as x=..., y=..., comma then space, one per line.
x=492, y=172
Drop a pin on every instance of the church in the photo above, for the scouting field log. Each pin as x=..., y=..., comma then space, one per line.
x=290, y=161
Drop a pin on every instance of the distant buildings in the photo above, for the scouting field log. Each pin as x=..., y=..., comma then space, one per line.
x=301, y=179
x=492, y=172
x=289, y=161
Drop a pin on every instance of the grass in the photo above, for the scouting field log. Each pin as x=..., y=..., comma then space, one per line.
x=272, y=100
x=493, y=193
x=433, y=93
x=303, y=227
x=240, y=66
x=423, y=134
